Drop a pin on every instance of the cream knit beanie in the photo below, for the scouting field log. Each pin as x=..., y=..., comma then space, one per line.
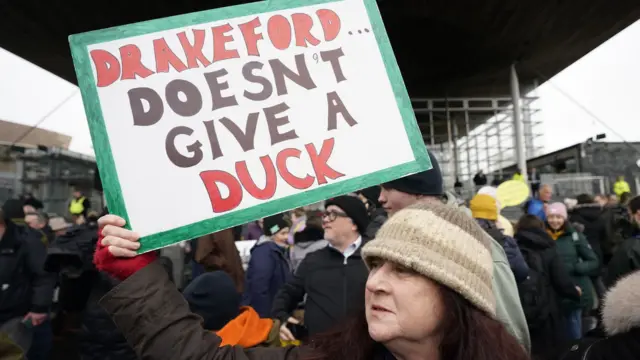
x=442, y=243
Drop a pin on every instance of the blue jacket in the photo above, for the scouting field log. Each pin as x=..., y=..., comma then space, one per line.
x=268, y=271
x=536, y=207
x=517, y=263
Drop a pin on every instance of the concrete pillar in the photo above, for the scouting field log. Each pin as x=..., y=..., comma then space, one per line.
x=519, y=140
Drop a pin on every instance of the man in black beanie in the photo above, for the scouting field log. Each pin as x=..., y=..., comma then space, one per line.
x=344, y=222
x=425, y=186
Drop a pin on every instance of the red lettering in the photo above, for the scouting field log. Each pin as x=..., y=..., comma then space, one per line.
x=250, y=36
x=194, y=52
x=132, y=63
x=302, y=24
x=319, y=161
x=279, y=31
x=165, y=57
x=220, y=40
x=294, y=181
x=330, y=22
x=211, y=179
x=107, y=67
x=247, y=181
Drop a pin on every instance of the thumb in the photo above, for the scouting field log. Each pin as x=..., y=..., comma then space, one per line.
x=293, y=320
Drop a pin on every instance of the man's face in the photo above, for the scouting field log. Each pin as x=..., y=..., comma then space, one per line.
x=393, y=200
x=77, y=194
x=34, y=222
x=545, y=193
x=337, y=224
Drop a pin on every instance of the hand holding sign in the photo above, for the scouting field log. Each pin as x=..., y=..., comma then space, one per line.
x=217, y=118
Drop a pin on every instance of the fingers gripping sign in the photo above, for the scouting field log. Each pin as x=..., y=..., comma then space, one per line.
x=116, y=249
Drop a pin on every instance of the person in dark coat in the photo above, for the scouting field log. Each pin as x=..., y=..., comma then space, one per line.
x=579, y=260
x=332, y=278
x=548, y=329
x=620, y=339
x=269, y=268
x=626, y=257
x=484, y=209
x=26, y=290
x=377, y=215
x=590, y=214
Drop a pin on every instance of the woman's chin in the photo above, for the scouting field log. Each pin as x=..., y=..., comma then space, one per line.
x=379, y=333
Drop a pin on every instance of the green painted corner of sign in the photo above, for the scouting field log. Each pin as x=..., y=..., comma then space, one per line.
x=79, y=44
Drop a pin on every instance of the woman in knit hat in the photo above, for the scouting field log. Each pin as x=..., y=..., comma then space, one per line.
x=428, y=296
x=579, y=260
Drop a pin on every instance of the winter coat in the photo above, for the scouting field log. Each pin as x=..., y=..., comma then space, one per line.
x=514, y=256
x=305, y=242
x=156, y=321
x=621, y=320
x=625, y=260
x=334, y=287
x=580, y=261
x=24, y=285
x=268, y=271
x=81, y=287
x=551, y=331
x=218, y=251
x=593, y=219
x=377, y=217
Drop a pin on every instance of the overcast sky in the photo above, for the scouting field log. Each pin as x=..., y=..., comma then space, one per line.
x=606, y=81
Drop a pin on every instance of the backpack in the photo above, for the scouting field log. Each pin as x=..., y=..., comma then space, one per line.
x=535, y=290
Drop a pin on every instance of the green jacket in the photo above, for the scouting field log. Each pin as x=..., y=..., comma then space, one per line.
x=508, y=306
x=580, y=261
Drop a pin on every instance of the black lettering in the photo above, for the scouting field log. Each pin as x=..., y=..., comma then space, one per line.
x=178, y=159
x=336, y=106
x=333, y=57
x=213, y=139
x=274, y=123
x=216, y=87
x=156, y=107
x=267, y=88
x=193, y=100
x=244, y=138
x=302, y=77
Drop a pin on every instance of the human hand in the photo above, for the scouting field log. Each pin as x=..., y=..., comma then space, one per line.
x=285, y=333
x=579, y=290
x=35, y=318
x=115, y=252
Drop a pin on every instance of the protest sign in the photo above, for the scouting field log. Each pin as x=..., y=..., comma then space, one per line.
x=209, y=120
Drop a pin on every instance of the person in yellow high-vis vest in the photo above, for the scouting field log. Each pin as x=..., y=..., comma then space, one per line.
x=79, y=205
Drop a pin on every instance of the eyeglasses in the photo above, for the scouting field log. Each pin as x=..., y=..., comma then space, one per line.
x=333, y=215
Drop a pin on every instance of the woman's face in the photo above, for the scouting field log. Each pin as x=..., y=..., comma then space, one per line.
x=281, y=236
x=401, y=304
x=555, y=221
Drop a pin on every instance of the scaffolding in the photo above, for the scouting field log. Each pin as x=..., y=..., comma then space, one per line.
x=472, y=134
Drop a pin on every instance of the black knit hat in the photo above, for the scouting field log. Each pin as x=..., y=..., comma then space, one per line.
x=214, y=297
x=423, y=183
x=274, y=223
x=354, y=208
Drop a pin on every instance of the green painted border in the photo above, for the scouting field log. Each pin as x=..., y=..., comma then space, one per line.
x=100, y=138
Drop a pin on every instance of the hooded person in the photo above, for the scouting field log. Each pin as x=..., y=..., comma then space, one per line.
x=269, y=267
x=427, y=187
x=213, y=297
x=621, y=322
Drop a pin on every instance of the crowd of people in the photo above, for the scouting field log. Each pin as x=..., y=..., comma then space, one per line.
x=397, y=271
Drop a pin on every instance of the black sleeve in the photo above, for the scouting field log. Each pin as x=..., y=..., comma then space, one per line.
x=87, y=206
x=561, y=281
x=42, y=281
x=291, y=293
